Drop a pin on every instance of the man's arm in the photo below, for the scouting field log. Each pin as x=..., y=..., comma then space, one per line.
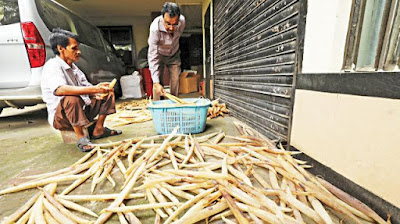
x=154, y=60
x=152, y=55
x=66, y=90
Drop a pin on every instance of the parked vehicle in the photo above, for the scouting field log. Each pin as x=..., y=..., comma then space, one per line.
x=25, y=27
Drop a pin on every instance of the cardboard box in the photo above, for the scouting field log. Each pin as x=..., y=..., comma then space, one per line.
x=188, y=82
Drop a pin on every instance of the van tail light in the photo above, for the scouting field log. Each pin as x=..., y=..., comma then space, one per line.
x=34, y=44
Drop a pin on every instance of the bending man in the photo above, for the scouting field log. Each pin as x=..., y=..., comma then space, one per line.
x=165, y=32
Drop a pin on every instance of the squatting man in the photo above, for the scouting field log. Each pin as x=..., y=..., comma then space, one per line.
x=72, y=101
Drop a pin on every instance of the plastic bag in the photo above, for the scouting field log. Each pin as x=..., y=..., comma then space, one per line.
x=132, y=86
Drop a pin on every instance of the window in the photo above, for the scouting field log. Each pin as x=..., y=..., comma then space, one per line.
x=373, y=36
x=119, y=36
x=9, y=12
x=118, y=40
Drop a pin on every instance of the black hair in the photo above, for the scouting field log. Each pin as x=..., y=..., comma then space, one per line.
x=171, y=8
x=61, y=37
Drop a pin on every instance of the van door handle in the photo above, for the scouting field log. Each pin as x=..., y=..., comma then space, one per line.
x=108, y=59
x=12, y=40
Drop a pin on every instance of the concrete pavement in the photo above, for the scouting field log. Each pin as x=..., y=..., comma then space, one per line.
x=28, y=145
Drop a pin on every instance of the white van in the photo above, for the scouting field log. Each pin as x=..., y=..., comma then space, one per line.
x=25, y=27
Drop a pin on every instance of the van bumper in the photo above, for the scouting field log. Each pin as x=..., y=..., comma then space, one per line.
x=19, y=98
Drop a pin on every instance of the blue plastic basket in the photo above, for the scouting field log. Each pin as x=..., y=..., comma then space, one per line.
x=191, y=119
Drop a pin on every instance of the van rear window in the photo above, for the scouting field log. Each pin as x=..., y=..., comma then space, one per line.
x=9, y=12
x=89, y=34
x=53, y=15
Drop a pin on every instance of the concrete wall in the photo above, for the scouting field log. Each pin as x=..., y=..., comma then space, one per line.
x=326, y=31
x=356, y=136
x=140, y=27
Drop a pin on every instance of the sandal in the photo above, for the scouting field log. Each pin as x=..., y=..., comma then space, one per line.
x=83, y=143
x=107, y=133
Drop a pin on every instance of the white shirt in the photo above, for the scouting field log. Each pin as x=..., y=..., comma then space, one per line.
x=162, y=43
x=56, y=72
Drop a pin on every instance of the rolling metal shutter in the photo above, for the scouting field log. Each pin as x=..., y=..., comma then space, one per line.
x=254, y=61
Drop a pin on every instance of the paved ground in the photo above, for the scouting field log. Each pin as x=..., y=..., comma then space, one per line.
x=30, y=146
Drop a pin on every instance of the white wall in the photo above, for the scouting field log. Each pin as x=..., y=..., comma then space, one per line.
x=356, y=136
x=325, y=37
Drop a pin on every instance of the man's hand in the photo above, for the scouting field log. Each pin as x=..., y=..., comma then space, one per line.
x=102, y=90
x=104, y=87
x=159, y=89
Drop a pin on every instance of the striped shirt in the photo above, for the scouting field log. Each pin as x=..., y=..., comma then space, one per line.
x=162, y=43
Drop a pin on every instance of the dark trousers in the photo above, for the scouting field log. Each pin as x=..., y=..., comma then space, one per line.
x=174, y=67
x=71, y=111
